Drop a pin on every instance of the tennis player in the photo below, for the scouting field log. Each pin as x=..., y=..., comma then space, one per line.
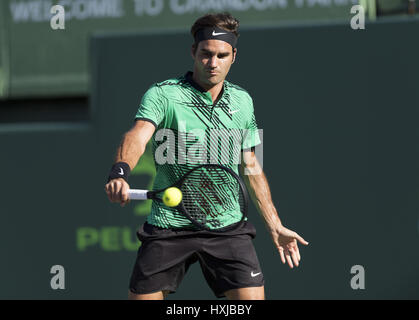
x=201, y=99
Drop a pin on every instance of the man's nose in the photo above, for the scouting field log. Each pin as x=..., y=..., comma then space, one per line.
x=213, y=62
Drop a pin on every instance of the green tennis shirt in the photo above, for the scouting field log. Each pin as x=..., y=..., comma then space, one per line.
x=191, y=130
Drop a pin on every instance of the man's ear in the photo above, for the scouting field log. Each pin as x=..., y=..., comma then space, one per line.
x=193, y=51
x=234, y=55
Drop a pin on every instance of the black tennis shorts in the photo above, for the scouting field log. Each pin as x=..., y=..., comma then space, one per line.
x=228, y=260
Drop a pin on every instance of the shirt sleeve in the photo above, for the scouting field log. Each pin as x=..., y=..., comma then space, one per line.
x=251, y=133
x=152, y=107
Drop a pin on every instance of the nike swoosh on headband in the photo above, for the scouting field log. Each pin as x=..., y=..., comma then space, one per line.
x=217, y=33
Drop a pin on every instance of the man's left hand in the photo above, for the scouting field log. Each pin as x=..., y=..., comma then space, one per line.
x=285, y=241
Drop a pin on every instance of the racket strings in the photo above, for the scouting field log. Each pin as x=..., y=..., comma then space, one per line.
x=210, y=193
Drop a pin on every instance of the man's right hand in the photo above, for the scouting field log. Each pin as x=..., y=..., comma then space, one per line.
x=117, y=191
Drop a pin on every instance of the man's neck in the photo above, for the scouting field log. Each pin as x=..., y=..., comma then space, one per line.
x=214, y=90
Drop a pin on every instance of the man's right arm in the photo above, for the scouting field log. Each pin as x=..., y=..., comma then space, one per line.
x=129, y=151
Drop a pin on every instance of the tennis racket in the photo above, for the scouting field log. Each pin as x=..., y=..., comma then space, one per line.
x=212, y=196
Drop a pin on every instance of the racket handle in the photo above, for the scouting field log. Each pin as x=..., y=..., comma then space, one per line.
x=137, y=194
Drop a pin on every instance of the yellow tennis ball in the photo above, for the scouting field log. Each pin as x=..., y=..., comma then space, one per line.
x=172, y=197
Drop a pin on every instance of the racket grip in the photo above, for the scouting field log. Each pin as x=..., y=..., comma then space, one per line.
x=137, y=194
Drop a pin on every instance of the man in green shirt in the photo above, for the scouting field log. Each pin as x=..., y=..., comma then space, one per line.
x=186, y=117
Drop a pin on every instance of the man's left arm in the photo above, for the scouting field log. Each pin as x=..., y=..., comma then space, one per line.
x=285, y=240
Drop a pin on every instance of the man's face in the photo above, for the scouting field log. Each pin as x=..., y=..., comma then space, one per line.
x=213, y=59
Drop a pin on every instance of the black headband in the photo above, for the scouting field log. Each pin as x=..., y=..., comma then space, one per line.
x=215, y=33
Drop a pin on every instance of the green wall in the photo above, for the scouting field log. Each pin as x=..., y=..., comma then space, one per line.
x=44, y=62
x=338, y=108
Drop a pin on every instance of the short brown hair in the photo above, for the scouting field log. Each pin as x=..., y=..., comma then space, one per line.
x=221, y=20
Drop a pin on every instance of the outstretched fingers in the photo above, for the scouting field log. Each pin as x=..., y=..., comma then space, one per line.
x=300, y=239
x=290, y=252
x=287, y=256
x=281, y=253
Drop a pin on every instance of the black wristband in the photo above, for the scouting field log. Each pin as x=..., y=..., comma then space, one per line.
x=120, y=170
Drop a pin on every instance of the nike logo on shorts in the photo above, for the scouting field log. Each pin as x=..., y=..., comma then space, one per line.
x=255, y=274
